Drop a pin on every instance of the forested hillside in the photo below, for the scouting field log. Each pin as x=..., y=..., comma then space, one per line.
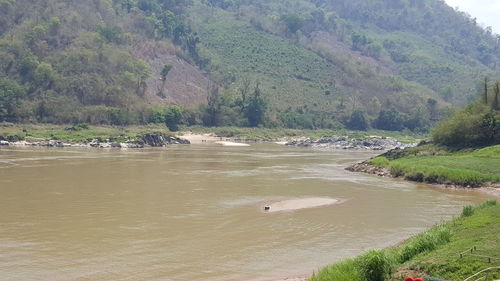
x=95, y=61
x=388, y=64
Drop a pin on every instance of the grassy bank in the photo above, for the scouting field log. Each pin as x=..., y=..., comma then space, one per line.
x=79, y=133
x=434, y=253
x=76, y=133
x=434, y=164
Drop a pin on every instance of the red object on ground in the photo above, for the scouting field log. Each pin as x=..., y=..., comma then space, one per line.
x=410, y=279
x=418, y=279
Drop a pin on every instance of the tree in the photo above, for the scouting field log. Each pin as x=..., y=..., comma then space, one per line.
x=173, y=117
x=43, y=75
x=495, y=104
x=256, y=108
x=244, y=89
x=211, y=116
x=293, y=22
x=164, y=72
x=475, y=125
x=485, y=93
x=357, y=121
x=10, y=95
x=390, y=120
x=142, y=71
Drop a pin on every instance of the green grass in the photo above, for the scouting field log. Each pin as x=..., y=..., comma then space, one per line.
x=434, y=165
x=435, y=252
x=288, y=73
x=77, y=133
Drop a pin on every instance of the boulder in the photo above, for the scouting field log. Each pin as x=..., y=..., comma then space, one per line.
x=160, y=140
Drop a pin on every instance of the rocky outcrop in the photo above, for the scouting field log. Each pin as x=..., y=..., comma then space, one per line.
x=365, y=167
x=153, y=140
x=160, y=140
x=373, y=143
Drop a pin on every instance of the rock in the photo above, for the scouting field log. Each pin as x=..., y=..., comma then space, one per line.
x=104, y=145
x=154, y=140
x=116, y=145
x=134, y=144
x=373, y=143
x=160, y=140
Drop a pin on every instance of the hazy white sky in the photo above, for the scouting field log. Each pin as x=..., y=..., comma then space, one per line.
x=487, y=12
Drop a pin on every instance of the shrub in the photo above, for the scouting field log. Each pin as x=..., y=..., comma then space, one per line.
x=357, y=121
x=380, y=161
x=467, y=211
x=375, y=266
x=473, y=126
x=173, y=117
x=346, y=270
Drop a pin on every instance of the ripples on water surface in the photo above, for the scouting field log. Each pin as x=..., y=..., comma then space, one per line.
x=194, y=212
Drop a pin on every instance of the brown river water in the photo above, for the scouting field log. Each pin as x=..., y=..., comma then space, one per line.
x=195, y=212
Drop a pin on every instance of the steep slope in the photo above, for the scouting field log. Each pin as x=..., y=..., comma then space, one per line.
x=416, y=56
x=94, y=61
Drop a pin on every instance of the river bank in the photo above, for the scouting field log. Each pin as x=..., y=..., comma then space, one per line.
x=470, y=169
x=83, y=135
x=468, y=242
x=146, y=140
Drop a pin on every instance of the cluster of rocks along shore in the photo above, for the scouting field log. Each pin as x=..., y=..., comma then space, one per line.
x=372, y=143
x=365, y=167
x=147, y=140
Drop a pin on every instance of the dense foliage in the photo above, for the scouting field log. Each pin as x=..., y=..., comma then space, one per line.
x=476, y=125
x=74, y=61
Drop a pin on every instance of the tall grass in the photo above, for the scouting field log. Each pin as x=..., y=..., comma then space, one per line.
x=467, y=211
x=346, y=270
x=374, y=265
x=425, y=242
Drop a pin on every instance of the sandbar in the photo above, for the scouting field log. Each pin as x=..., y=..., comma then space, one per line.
x=299, y=203
x=230, y=143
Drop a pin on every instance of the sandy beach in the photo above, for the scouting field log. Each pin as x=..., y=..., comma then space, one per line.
x=230, y=143
x=200, y=138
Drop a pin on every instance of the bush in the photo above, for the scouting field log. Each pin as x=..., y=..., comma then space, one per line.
x=390, y=120
x=467, y=211
x=375, y=266
x=473, y=126
x=357, y=121
x=173, y=117
x=380, y=161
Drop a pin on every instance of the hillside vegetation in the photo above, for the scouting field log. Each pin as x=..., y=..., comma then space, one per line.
x=304, y=64
x=465, y=148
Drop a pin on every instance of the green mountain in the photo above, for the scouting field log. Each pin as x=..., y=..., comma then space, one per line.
x=391, y=64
